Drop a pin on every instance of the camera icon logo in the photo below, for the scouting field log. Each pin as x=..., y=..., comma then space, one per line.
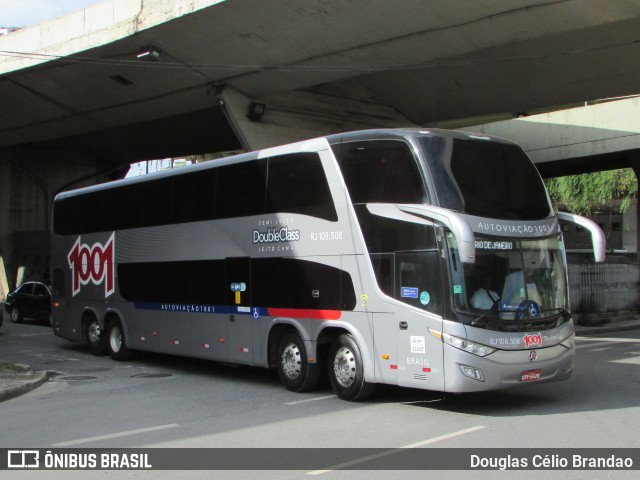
x=23, y=459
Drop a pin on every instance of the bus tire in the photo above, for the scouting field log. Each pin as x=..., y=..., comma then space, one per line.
x=294, y=369
x=96, y=337
x=346, y=370
x=116, y=342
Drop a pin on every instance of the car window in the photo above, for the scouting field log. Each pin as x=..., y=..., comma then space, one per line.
x=40, y=289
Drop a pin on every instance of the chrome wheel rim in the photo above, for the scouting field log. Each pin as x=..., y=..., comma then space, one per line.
x=344, y=367
x=115, y=339
x=94, y=333
x=291, y=362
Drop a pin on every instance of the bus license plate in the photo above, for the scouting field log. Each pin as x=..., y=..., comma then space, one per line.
x=530, y=375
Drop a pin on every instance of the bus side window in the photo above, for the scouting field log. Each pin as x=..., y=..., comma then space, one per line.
x=241, y=189
x=383, y=270
x=380, y=171
x=296, y=183
x=418, y=280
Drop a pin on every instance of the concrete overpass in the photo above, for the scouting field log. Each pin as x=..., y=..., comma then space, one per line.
x=602, y=135
x=78, y=102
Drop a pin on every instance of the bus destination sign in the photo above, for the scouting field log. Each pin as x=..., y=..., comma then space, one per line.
x=493, y=245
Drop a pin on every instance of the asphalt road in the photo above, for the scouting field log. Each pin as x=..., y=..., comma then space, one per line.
x=164, y=401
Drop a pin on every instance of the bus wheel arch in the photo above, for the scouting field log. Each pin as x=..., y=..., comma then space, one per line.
x=116, y=339
x=288, y=353
x=94, y=332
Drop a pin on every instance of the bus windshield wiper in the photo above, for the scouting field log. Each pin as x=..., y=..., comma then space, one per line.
x=560, y=310
x=481, y=321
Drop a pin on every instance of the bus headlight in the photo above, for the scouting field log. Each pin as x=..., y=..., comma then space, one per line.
x=471, y=347
x=569, y=342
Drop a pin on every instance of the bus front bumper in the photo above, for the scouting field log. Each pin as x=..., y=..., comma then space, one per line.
x=465, y=372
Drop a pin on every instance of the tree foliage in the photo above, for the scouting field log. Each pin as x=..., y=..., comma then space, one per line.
x=587, y=193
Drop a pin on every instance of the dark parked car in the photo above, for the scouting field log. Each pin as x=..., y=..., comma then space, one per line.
x=29, y=300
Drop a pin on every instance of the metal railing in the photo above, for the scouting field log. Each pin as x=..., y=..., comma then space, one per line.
x=604, y=287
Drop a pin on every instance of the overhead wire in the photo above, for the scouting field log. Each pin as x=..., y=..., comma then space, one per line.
x=450, y=62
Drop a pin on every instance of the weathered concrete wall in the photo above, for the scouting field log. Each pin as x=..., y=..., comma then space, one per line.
x=82, y=30
x=29, y=179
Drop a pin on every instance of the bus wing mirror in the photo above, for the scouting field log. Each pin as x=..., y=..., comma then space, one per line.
x=597, y=235
x=454, y=222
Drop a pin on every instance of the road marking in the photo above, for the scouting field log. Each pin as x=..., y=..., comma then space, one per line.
x=611, y=339
x=62, y=358
x=395, y=450
x=114, y=435
x=592, y=345
x=630, y=361
x=315, y=399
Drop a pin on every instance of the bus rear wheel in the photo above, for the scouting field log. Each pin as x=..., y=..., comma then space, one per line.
x=116, y=342
x=294, y=369
x=346, y=370
x=96, y=337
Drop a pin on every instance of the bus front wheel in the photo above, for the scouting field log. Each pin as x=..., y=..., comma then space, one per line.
x=294, y=369
x=346, y=370
x=116, y=342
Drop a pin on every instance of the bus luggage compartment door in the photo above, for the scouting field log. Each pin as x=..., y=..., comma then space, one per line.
x=420, y=354
x=239, y=337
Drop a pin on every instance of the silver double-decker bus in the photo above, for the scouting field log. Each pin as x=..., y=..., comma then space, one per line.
x=421, y=258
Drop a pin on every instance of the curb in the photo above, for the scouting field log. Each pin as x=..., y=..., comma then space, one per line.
x=24, y=383
x=611, y=326
x=581, y=332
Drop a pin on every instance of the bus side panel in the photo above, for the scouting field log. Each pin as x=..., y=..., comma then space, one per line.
x=406, y=353
x=209, y=335
x=419, y=352
x=151, y=328
x=385, y=342
x=67, y=311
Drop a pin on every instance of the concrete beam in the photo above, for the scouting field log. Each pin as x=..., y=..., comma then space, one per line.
x=300, y=115
x=91, y=27
x=576, y=133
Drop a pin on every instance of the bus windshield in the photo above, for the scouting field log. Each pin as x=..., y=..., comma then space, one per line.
x=485, y=179
x=512, y=281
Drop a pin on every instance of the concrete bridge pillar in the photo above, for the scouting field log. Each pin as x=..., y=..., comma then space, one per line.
x=30, y=177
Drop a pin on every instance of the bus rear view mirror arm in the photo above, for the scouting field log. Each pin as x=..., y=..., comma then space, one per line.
x=459, y=227
x=597, y=235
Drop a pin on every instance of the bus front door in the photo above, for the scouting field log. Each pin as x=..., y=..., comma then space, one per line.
x=418, y=285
